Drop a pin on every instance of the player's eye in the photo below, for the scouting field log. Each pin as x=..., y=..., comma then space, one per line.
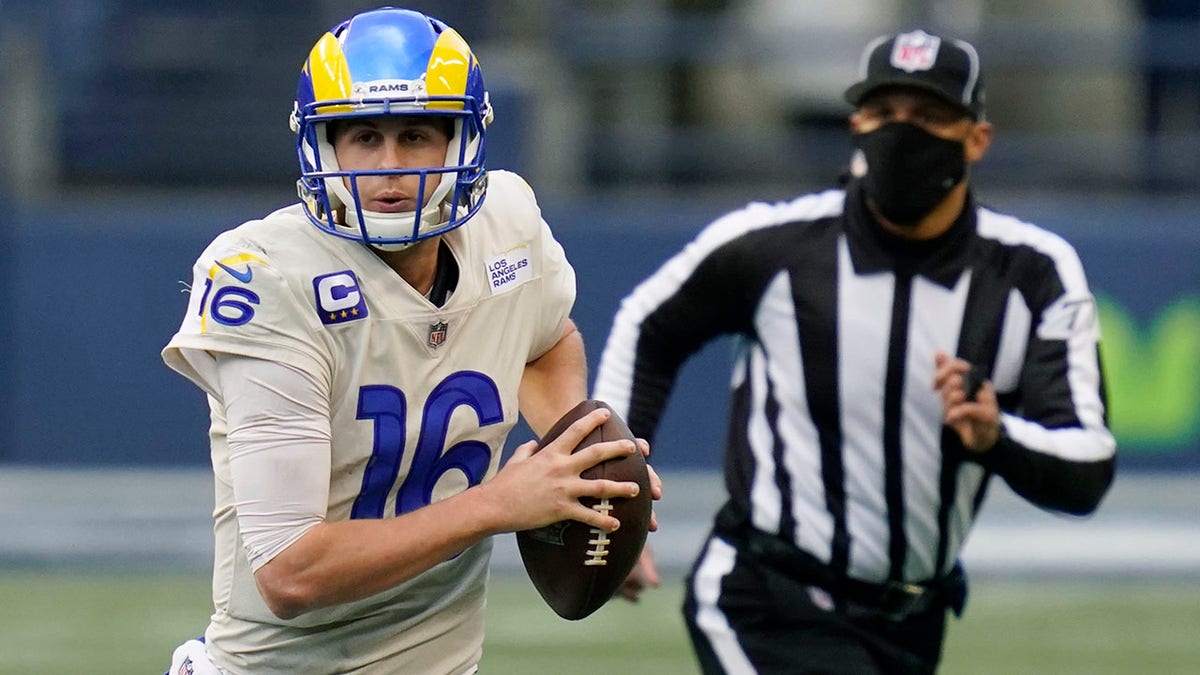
x=413, y=135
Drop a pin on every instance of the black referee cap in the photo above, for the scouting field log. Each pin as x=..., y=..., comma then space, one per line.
x=946, y=67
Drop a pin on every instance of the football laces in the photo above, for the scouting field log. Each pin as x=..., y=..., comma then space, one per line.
x=599, y=540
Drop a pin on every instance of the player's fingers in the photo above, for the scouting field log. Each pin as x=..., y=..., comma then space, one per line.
x=649, y=568
x=602, y=488
x=593, y=517
x=644, y=446
x=524, y=451
x=570, y=438
x=602, y=452
x=656, y=484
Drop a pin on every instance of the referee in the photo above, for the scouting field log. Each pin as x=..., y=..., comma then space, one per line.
x=899, y=345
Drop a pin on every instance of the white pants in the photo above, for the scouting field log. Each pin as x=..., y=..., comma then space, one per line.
x=191, y=658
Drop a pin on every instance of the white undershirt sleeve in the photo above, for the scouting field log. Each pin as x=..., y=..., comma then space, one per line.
x=279, y=451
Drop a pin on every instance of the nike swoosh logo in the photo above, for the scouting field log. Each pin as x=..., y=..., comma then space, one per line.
x=243, y=277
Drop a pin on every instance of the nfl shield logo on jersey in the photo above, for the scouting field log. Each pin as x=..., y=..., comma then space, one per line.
x=915, y=51
x=437, y=334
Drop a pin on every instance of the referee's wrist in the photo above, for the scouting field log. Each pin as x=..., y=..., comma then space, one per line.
x=998, y=436
x=1000, y=452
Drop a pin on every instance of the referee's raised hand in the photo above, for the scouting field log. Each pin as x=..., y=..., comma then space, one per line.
x=976, y=418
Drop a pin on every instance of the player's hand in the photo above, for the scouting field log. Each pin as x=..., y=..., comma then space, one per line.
x=643, y=575
x=537, y=487
x=656, y=484
x=977, y=419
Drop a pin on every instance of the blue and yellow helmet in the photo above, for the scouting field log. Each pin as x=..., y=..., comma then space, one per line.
x=391, y=62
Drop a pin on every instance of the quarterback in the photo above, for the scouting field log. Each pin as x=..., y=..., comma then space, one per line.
x=365, y=352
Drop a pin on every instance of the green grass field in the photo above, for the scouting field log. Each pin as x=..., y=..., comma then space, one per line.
x=125, y=624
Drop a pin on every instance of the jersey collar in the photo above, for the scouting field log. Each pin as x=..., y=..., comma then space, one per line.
x=874, y=249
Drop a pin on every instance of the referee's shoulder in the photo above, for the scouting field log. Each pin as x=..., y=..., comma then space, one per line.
x=1012, y=231
x=756, y=216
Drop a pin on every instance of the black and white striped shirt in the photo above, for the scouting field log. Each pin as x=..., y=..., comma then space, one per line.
x=836, y=441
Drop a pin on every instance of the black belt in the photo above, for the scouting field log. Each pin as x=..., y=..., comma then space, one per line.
x=893, y=600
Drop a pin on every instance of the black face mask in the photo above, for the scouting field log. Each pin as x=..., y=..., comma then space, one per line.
x=909, y=170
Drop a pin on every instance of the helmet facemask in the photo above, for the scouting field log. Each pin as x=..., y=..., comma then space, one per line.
x=330, y=194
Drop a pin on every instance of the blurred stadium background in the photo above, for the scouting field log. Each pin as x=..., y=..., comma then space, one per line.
x=132, y=131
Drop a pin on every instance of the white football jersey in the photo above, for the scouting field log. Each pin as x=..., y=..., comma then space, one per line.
x=421, y=399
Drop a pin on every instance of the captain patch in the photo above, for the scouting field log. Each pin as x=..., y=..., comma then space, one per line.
x=338, y=298
x=509, y=269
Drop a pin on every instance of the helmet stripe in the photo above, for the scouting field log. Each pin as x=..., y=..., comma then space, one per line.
x=449, y=64
x=329, y=73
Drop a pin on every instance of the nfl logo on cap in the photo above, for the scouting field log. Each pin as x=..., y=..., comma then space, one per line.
x=915, y=51
x=945, y=67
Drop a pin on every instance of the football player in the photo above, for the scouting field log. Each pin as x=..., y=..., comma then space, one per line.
x=365, y=353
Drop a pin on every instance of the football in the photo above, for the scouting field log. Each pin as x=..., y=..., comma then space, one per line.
x=577, y=568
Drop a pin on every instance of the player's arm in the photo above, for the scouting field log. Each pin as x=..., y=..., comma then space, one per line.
x=278, y=437
x=554, y=382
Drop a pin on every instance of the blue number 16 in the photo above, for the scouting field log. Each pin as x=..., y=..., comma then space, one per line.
x=386, y=407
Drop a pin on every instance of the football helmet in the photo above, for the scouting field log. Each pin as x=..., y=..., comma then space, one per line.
x=391, y=62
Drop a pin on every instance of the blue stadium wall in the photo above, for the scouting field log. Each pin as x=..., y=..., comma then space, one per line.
x=92, y=291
